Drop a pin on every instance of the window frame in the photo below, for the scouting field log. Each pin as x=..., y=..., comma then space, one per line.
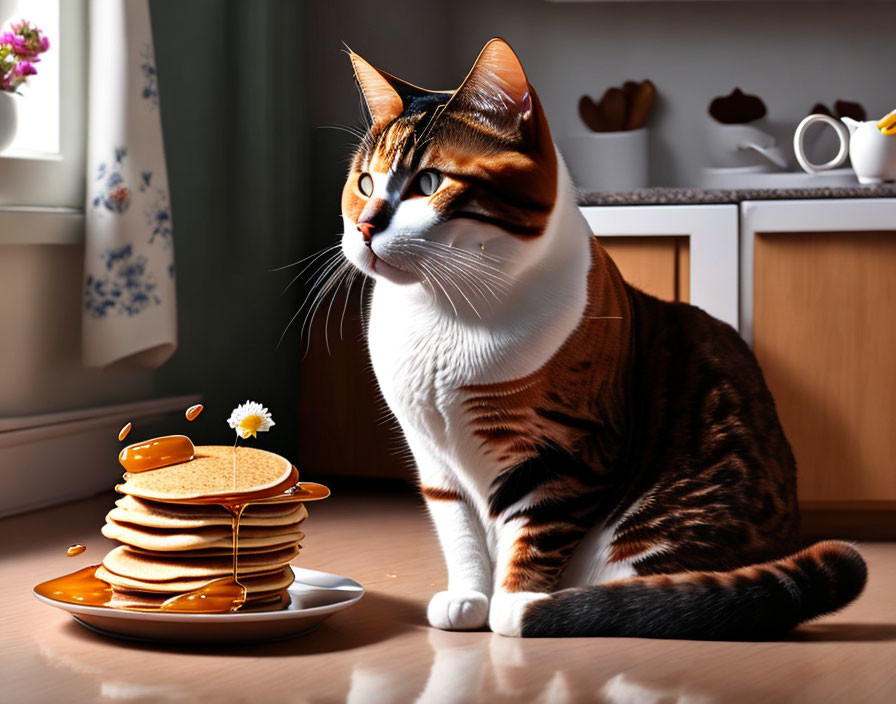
x=57, y=180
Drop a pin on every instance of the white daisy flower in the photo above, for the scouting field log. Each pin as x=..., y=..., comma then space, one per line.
x=249, y=418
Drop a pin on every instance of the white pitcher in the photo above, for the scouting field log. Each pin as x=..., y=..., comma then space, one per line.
x=873, y=153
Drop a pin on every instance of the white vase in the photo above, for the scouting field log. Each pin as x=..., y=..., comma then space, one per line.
x=8, y=119
x=607, y=161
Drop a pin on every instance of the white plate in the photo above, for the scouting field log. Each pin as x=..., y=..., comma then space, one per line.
x=314, y=596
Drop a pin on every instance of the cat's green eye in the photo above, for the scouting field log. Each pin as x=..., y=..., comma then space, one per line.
x=428, y=181
x=365, y=184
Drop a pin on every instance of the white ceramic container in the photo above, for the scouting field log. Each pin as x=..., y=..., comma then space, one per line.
x=608, y=161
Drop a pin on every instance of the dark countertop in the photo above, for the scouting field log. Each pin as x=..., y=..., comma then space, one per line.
x=694, y=196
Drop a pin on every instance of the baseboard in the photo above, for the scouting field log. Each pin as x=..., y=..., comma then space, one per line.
x=865, y=521
x=57, y=457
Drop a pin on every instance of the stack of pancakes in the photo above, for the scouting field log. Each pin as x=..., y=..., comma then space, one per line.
x=177, y=536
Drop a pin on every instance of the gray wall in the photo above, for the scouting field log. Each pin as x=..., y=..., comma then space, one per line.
x=791, y=54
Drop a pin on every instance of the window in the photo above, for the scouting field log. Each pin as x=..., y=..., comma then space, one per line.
x=44, y=165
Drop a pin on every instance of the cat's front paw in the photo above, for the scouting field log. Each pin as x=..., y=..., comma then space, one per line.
x=508, y=610
x=458, y=611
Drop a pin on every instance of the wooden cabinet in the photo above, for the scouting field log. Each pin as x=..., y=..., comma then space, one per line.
x=819, y=286
x=676, y=252
x=345, y=428
x=658, y=265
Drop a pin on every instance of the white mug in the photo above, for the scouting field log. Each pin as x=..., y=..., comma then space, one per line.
x=799, y=149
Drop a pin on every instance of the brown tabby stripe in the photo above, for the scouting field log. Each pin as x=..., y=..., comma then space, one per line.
x=435, y=494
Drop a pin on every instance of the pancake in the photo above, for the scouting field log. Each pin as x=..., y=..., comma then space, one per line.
x=210, y=475
x=212, y=552
x=158, y=568
x=135, y=599
x=267, y=581
x=153, y=514
x=158, y=539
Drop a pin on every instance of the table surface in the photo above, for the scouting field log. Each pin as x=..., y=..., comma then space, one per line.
x=381, y=650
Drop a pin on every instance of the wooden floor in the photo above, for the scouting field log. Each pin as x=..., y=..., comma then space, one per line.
x=381, y=650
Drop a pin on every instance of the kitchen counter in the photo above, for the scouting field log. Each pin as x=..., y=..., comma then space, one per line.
x=697, y=196
x=381, y=650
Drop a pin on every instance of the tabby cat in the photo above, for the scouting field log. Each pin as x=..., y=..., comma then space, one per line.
x=596, y=462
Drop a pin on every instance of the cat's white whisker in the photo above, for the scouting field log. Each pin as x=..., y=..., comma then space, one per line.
x=331, y=280
x=435, y=279
x=337, y=280
x=314, y=258
x=449, y=258
x=467, y=277
x=452, y=282
x=304, y=259
x=325, y=267
x=353, y=276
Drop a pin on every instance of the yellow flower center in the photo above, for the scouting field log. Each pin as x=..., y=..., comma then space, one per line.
x=250, y=425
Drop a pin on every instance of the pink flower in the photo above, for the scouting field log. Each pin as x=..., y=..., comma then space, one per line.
x=19, y=52
x=25, y=68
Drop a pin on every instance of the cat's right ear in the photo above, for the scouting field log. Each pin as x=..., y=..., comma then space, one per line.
x=383, y=101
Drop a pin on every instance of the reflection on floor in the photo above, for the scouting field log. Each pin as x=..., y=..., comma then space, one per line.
x=381, y=650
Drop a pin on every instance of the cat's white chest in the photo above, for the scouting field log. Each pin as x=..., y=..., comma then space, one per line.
x=419, y=364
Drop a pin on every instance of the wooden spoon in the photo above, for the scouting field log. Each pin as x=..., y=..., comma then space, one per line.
x=591, y=114
x=642, y=102
x=613, y=107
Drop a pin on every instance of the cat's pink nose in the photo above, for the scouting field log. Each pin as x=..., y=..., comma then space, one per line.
x=367, y=231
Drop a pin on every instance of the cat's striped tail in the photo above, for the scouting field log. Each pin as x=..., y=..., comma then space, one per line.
x=750, y=603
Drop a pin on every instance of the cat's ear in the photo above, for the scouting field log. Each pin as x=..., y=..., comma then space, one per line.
x=496, y=88
x=382, y=98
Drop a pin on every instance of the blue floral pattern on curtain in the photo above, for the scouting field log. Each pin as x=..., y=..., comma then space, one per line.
x=129, y=296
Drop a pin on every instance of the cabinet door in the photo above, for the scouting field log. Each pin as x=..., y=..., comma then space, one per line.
x=658, y=265
x=823, y=283
x=676, y=252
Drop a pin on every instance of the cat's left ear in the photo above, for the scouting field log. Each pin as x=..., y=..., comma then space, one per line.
x=383, y=100
x=496, y=89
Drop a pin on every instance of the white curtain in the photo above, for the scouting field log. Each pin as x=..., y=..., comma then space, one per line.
x=129, y=317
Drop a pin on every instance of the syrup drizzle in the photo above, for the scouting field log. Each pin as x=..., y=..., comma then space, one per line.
x=221, y=595
x=75, y=549
x=123, y=433
x=194, y=411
